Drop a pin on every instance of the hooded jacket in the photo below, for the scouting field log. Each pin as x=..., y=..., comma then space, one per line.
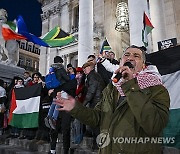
x=61, y=73
x=62, y=76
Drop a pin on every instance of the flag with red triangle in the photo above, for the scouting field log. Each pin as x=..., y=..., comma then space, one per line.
x=24, y=109
x=9, y=33
x=146, y=29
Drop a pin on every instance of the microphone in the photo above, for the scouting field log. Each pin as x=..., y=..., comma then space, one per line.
x=119, y=75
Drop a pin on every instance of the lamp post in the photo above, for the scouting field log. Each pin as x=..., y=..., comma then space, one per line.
x=122, y=16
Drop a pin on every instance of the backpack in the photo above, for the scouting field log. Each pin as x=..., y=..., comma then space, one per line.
x=50, y=79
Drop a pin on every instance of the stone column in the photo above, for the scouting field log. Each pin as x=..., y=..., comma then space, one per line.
x=68, y=59
x=136, y=11
x=85, y=44
x=157, y=19
x=65, y=60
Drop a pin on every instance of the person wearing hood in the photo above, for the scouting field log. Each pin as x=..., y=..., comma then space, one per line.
x=60, y=71
x=64, y=78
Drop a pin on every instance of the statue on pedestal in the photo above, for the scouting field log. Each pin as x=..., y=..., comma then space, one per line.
x=9, y=50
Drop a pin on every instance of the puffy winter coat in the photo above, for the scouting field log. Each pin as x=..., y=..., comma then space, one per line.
x=95, y=86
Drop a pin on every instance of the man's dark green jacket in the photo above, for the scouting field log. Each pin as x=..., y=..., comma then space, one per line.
x=142, y=115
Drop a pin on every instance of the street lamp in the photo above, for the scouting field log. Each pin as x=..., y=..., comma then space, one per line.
x=122, y=16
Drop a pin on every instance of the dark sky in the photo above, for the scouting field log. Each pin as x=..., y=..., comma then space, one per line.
x=30, y=11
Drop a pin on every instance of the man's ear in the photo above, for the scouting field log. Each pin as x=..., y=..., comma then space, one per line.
x=144, y=65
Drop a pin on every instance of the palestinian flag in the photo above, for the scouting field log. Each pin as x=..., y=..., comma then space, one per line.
x=168, y=64
x=9, y=32
x=146, y=30
x=24, y=111
x=57, y=38
x=105, y=46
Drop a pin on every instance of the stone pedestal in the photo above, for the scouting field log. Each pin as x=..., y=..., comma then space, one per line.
x=7, y=72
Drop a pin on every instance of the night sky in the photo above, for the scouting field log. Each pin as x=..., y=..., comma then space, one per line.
x=30, y=10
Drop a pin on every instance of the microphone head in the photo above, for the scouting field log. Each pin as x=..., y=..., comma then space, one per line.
x=129, y=64
x=119, y=75
x=115, y=80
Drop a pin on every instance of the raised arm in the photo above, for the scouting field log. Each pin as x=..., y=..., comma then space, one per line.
x=77, y=110
x=109, y=66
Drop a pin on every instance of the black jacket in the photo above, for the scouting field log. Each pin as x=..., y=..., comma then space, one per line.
x=95, y=86
x=106, y=75
x=61, y=73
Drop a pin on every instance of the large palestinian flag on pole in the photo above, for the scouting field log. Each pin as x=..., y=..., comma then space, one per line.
x=147, y=28
x=24, y=110
x=168, y=64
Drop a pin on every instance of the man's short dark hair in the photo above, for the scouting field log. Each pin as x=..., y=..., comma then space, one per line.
x=88, y=64
x=69, y=65
x=20, y=78
x=58, y=59
x=26, y=72
x=36, y=73
x=91, y=56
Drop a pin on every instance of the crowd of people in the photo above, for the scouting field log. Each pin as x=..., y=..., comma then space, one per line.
x=88, y=103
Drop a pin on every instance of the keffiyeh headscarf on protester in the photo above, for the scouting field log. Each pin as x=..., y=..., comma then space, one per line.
x=146, y=78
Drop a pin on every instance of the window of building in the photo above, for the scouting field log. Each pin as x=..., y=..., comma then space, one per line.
x=22, y=45
x=29, y=62
x=21, y=60
x=76, y=17
x=36, y=50
x=35, y=64
x=30, y=48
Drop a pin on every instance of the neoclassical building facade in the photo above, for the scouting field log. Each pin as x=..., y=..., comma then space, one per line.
x=29, y=56
x=91, y=21
x=66, y=14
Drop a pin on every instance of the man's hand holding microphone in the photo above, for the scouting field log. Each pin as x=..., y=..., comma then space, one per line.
x=125, y=72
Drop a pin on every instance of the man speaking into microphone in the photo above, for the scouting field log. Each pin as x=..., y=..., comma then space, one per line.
x=119, y=75
x=135, y=108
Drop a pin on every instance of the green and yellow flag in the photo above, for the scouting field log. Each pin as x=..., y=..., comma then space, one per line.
x=105, y=46
x=58, y=38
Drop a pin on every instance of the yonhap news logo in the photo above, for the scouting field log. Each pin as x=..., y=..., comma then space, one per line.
x=144, y=140
x=103, y=140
